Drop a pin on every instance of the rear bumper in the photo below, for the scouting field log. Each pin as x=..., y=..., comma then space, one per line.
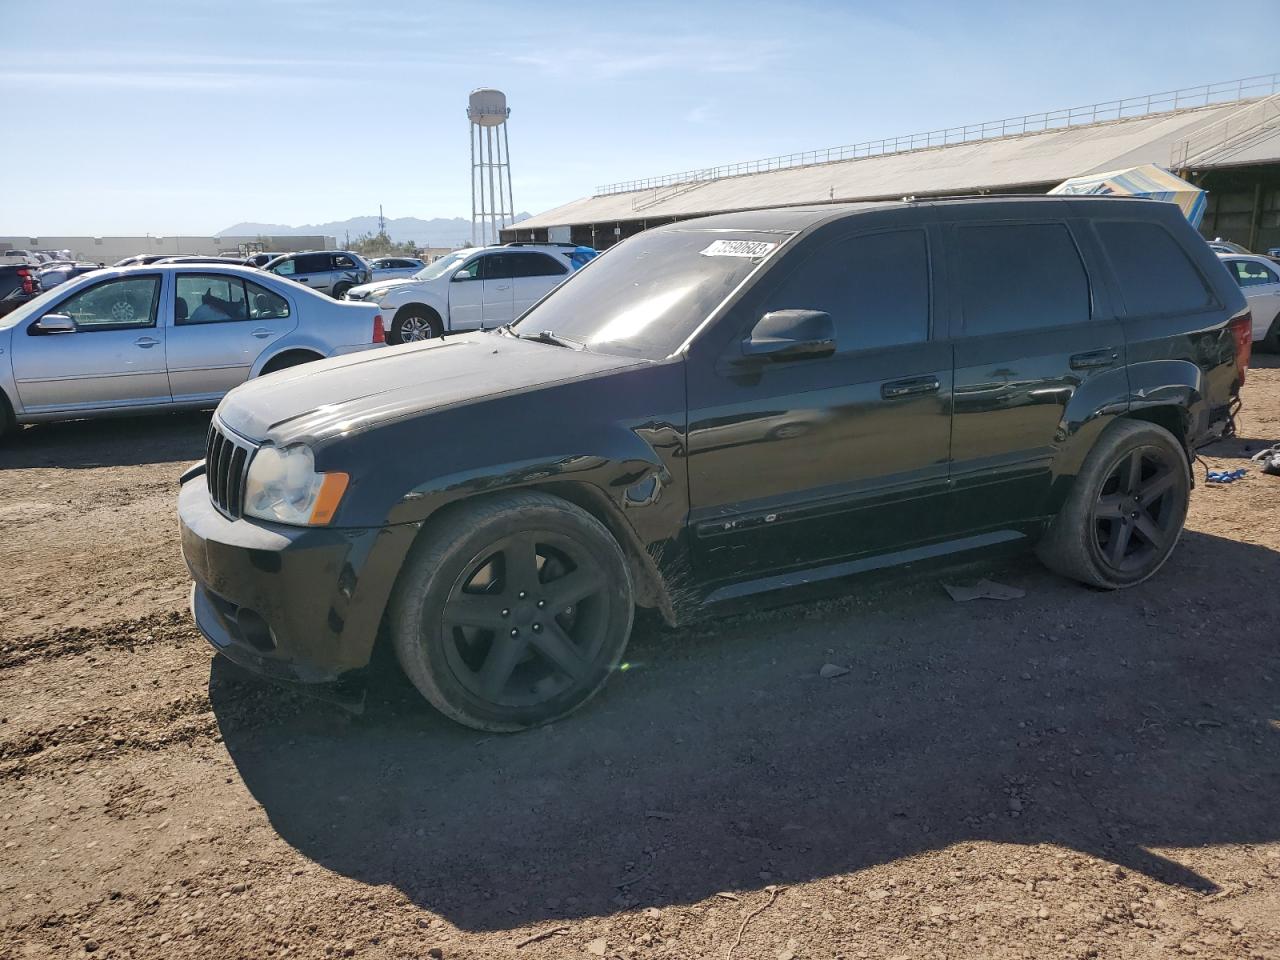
x=291, y=603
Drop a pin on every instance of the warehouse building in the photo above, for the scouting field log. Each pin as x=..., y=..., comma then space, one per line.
x=108, y=250
x=1223, y=137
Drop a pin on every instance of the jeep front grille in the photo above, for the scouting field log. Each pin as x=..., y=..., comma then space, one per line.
x=226, y=460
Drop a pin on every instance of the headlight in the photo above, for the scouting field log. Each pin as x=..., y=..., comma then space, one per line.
x=354, y=294
x=283, y=486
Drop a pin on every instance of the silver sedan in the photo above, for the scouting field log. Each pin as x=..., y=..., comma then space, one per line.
x=164, y=337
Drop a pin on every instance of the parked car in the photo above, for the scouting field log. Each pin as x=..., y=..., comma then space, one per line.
x=389, y=268
x=578, y=254
x=969, y=374
x=260, y=259
x=60, y=271
x=1219, y=245
x=164, y=337
x=1259, y=279
x=473, y=289
x=18, y=284
x=23, y=257
x=333, y=272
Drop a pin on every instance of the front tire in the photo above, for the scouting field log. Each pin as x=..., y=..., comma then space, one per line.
x=340, y=290
x=414, y=324
x=1125, y=511
x=512, y=612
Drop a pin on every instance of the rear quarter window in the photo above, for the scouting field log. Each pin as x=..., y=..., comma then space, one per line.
x=1020, y=276
x=1155, y=275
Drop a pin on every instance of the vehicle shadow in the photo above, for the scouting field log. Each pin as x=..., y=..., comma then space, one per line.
x=1110, y=723
x=117, y=442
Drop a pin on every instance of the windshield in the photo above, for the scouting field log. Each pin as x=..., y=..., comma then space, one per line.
x=442, y=266
x=647, y=295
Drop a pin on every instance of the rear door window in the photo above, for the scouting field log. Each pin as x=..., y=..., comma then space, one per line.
x=1156, y=276
x=1019, y=276
x=312, y=263
x=342, y=262
x=537, y=265
x=875, y=287
x=209, y=298
x=1250, y=273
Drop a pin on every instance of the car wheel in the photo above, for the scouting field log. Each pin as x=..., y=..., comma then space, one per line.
x=8, y=424
x=414, y=324
x=1271, y=342
x=340, y=290
x=287, y=360
x=512, y=612
x=1125, y=511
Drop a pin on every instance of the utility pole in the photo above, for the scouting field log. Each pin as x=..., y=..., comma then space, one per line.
x=382, y=221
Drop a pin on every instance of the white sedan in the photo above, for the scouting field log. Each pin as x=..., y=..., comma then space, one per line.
x=164, y=337
x=473, y=289
x=1259, y=280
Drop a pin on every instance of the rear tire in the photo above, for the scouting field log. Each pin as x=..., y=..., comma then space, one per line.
x=1271, y=342
x=512, y=612
x=414, y=324
x=8, y=423
x=340, y=290
x=1125, y=511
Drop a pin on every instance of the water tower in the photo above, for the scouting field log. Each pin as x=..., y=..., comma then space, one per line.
x=491, y=205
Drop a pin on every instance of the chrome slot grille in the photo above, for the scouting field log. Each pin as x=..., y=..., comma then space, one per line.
x=225, y=462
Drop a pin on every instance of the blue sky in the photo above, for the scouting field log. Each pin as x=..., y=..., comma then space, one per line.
x=164, y=117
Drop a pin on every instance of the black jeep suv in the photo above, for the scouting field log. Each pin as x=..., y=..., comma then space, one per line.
x=712, y=409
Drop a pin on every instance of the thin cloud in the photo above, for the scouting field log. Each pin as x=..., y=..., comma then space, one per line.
x=700, y=113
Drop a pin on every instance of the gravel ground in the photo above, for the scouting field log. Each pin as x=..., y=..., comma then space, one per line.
x=1070, y=774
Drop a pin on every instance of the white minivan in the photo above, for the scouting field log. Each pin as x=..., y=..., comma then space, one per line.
x=477, y=288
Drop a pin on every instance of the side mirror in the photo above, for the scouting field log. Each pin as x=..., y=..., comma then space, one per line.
x=791, y=335
x=463, y=274
x=56, y=323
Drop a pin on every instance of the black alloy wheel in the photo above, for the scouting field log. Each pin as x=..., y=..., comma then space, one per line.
x=524, y=622
x=512, y=611
x=1124, y=512
x=1134, y=516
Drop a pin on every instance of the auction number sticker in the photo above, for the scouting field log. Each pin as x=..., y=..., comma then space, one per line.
x=750, y=249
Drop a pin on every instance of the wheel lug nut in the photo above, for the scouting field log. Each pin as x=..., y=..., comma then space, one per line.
x=537, y=628
x=515, y=632
x=541, y=604
x=522, y=595
x=506, y=612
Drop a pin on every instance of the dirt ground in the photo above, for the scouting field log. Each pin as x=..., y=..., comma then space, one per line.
x=1071, y=774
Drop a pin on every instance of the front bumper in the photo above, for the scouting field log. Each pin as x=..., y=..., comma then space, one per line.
x=299, y=604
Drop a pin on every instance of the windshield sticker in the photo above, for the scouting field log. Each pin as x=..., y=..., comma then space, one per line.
x=751, y=249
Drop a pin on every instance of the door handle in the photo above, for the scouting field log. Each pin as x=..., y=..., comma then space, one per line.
x=912, y=387
x=505, y=286
x=1094, y=358
x=261, y=333
x=146, y=342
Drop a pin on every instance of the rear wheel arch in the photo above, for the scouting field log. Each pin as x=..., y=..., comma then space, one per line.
x=289, y=358
x=1171, y=417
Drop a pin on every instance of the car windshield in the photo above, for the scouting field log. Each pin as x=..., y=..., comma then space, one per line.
x=647, y=295
x=442, y=266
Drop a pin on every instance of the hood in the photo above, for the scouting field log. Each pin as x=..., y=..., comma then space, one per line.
x=357, y=392
x=379, y=287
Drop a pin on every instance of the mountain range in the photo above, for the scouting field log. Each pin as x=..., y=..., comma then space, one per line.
x=437, y=232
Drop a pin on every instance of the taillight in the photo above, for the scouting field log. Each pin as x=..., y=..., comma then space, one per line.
x=1241, y=327
x=28, y=281
x=379, y=334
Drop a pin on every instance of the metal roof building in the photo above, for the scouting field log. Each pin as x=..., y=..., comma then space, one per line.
x=1225, y=137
